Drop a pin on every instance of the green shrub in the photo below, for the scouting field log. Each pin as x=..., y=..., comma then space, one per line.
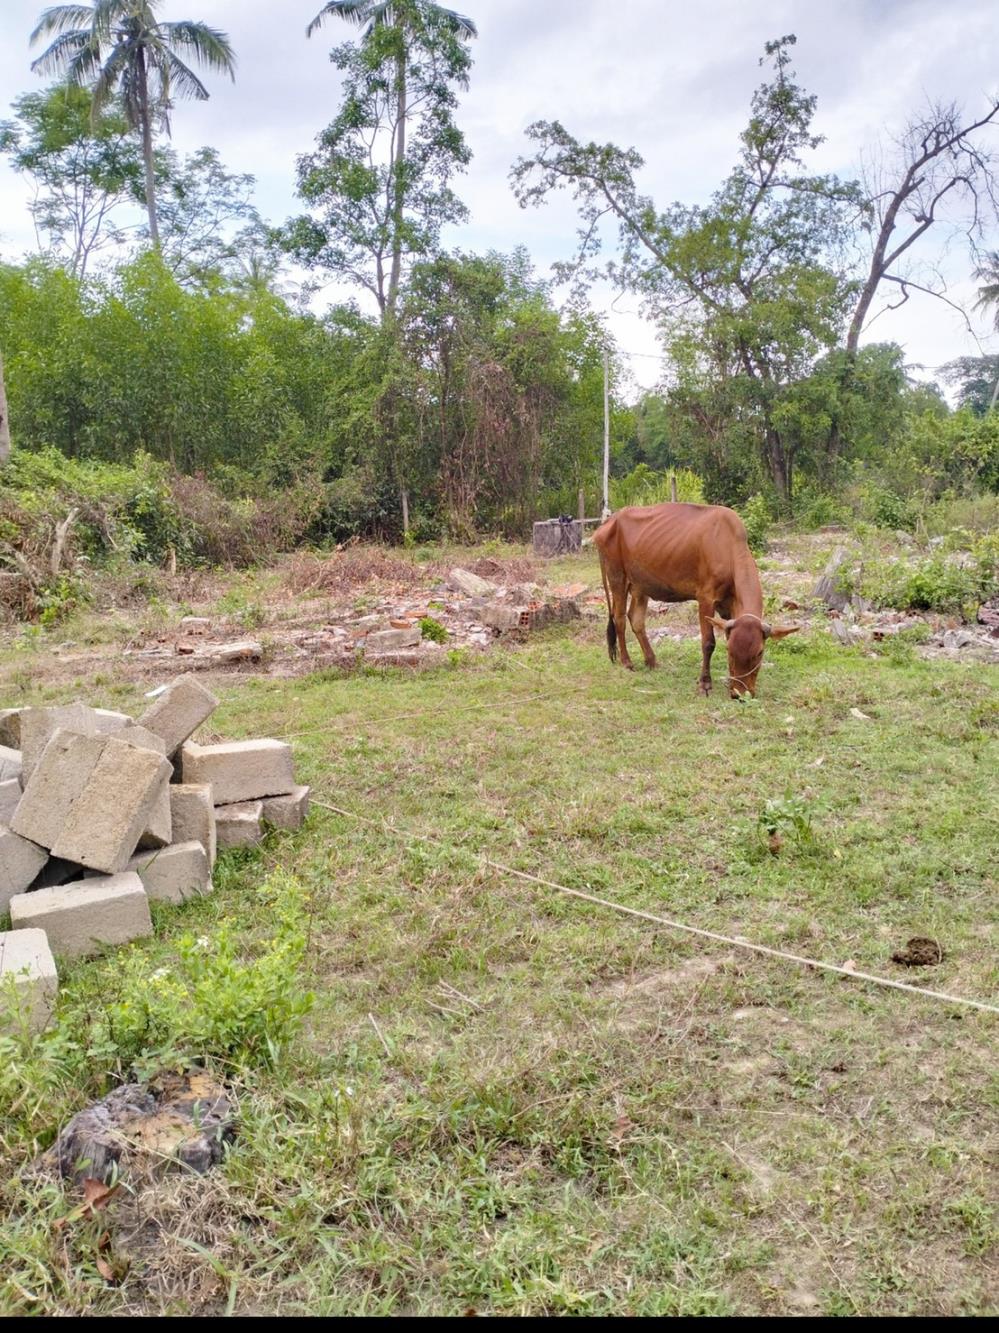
x=644, y=486
x=757, y=518
x=433, y=630
x=939, y=582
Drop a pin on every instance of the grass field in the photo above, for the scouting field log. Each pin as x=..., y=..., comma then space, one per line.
x=506, y=1101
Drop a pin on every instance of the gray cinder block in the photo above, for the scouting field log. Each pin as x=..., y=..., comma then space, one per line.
x=78, y=918
x=25, y=955
x=240, y=770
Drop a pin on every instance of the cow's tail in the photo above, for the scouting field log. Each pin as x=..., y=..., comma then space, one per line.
x=611, y=627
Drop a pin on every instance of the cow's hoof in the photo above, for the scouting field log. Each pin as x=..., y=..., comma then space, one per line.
x=704, y=688
x=628, y=666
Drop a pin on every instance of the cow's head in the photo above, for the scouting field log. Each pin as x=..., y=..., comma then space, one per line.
x=745, y=637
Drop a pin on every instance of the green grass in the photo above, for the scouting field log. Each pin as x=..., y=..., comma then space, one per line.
x=510, y=1102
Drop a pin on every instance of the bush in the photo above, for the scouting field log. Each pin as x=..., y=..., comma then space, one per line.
x=757, y=518
x=955, y=581
x=644, y=486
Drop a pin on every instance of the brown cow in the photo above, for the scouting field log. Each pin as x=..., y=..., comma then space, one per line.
x=682, y=553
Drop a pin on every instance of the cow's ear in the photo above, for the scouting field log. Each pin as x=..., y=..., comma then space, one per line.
x=723, y=625
x=783, y=632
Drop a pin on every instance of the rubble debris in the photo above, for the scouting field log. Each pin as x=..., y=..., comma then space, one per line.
x=471, y=585
x=826, y=589
x=174, y=1120
x=25, y=955
x=391, y=640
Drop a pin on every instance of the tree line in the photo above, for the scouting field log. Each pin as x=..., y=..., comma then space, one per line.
x=470, y=398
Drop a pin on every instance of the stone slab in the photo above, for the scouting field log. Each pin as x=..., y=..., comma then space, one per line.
x=239, y=825
x=10, y=796
x=79, y=918
x=287, y=812
x=57, y=781
x=192, y=815
x=20, y=862
x=10, y=764
x=106, y=821
x=25, y=955
x=178, y=712
x=240, y=770
x=175, y=873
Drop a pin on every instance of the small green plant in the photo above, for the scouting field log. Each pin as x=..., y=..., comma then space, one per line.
x=59, y=599
x=786, y=815
x=433, y=630
x=757, y=518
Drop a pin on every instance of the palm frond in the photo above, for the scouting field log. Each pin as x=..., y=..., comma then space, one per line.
x=60, y=53
x=108, y=76
x=177, y=77
x=351, y=11
x=61, y=18
x=209, y=46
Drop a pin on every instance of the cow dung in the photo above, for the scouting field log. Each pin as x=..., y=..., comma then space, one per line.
x=919, y=952
x=174, y=1119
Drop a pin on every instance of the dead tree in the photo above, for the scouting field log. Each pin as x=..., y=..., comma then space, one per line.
x=940, y=173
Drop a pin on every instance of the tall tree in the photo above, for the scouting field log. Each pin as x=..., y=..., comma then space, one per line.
x=381, y=174
x=743, y=285
x=121, y=46
x=4, y=423
x=83, y=170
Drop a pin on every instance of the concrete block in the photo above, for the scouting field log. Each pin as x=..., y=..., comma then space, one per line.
x=160, y=830
x=78, y=918
x=10, y=764
x=238, y=825
x=57, y=781
x=287, y=812
x=179, y=711
x=25, y=955
x=10, y=727
x=107, y=721
x=20, y=862
x=10, y=795
x=470, y=585
x=39, y=725
x=173, y=874
x=240, y=770
x=390, y=640
x=192, y=815
x=106, y=820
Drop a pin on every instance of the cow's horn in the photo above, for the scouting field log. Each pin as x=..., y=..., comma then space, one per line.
x=767, y=629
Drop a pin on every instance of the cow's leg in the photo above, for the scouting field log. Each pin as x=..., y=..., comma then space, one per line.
x=636, y=614
x=617, y=581
x=707, y=646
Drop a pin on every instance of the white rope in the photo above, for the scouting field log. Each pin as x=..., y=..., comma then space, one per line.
x=731, y=940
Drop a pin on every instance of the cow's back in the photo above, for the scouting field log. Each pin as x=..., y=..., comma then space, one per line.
x=672, y=550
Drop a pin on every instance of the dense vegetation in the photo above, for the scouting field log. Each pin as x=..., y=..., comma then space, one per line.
x=176, y=394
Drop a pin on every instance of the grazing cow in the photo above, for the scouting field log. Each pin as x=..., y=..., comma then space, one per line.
x=682, y=553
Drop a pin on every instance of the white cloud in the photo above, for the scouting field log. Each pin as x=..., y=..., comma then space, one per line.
x=673, y=80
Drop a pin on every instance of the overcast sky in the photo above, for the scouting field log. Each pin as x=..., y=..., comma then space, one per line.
x=669, y=78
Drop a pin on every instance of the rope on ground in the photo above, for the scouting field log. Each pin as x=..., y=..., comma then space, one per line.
x=734, y=941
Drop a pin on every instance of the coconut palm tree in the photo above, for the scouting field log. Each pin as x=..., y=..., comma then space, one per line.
x=368, y=15
x=988, y=297
x=121, y=45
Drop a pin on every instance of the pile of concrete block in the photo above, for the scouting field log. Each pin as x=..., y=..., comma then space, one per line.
x=100, y=812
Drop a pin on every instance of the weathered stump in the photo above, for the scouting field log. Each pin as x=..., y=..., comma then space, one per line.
x=557, y=536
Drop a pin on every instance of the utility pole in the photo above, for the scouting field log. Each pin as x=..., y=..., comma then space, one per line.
x=606, y=513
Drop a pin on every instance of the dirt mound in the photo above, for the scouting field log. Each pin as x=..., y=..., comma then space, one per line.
x=919, y=952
